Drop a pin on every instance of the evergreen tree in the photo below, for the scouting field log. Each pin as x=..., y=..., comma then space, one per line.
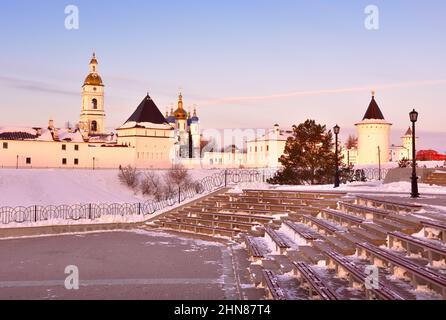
x=309, y=157
x=404, y=163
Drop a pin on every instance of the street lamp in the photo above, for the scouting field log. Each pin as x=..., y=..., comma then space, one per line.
x=336, y=131
x=413, y=118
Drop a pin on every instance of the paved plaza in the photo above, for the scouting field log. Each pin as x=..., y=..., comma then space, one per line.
x=117, y=265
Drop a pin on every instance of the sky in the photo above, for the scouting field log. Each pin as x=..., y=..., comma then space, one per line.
x=245, y=64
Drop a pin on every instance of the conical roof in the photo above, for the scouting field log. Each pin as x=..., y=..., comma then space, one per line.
x=147, y=112
x=373, y=111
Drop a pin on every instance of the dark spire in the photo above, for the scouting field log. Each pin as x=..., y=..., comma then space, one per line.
x=408, y=132
x=373, y=111
x=147, y=111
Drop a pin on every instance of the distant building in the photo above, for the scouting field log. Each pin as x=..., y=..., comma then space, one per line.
x=404, y=151
x=430, y=155
x=374, y=140
x=265, y=151
x=146, y=140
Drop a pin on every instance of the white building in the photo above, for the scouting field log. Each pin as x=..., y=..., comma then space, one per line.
x=373, y=136
x=265, y=151
x=404, y=151
x=146, y=140
x=374, y=140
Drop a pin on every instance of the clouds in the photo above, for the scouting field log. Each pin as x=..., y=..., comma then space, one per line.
x=34, y=86
x=320, y=92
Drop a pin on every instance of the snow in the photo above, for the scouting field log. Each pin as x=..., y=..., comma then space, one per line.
x=106, y=219
x=297, y=240
x=373, y=186
x=17, y=129
x=391, y=165
x=28, y=187
x=147, y=125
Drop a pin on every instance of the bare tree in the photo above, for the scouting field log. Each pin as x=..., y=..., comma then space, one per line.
x=175, y=179
x=129, y=176
x=352, y=142
x=151, y=185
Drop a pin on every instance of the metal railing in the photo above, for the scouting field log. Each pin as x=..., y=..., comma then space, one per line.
x=224, y=178
x=38, y=213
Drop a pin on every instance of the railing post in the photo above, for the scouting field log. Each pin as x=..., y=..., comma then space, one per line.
x=35, y=213
x=89, y=211
x=139, y=208
x=179, y=194
x=226, y=178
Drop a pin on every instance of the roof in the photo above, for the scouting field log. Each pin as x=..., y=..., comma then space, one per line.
x=93, y=79
x=373, y=111
x=17, y=136
x=408, y=132
x=147, y=112
x=271, y=135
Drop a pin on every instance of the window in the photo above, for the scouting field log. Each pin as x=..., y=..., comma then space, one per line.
x=64, y=161
x=94, y=104
x=76, y=147
x=267, y=148
x=76, y=162
x=94, y=126
x=28, y=160
x=5, y=145
x=64, y=147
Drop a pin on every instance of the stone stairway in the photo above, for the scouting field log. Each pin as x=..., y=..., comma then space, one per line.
x=437, y=178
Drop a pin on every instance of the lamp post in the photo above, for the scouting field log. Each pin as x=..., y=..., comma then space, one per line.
x=413, y=118
x=336, y=131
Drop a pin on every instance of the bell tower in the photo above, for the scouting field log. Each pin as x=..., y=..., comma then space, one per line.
x=92, y=119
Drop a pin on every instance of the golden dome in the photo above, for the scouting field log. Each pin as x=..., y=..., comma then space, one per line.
x=93, y=79
x=180, y=114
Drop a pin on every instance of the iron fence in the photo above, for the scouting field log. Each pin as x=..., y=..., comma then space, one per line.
x=375, y=173
x=38, y=213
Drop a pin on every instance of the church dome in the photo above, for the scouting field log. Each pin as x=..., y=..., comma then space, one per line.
x=93, y=79
x=180, y=114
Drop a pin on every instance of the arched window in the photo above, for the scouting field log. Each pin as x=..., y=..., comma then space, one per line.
x=94, y=104
x=94, y=126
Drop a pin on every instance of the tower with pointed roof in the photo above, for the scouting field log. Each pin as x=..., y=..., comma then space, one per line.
x=92, y=119
x=407, y=143
x=373, y=136
x=149, y=135
x=194, y=125
x=181, y=126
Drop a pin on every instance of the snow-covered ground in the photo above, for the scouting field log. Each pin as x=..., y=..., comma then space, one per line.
x=372, y=186
x=58, y=187
x=391, y=165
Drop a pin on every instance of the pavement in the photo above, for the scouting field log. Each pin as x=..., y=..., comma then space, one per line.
x=117, y=265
